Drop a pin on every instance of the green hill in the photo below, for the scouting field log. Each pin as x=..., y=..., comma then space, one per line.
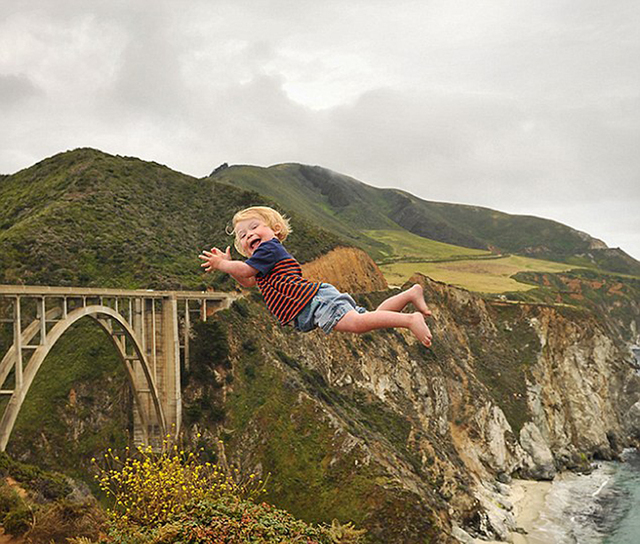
x=87, y=218
x=356, y=211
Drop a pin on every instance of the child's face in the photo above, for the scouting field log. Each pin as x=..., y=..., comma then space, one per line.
x=251, y=232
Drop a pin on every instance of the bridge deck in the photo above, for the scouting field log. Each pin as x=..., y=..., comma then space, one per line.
x=46, y=290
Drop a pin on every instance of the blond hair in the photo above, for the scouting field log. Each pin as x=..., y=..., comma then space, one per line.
x=272, y=218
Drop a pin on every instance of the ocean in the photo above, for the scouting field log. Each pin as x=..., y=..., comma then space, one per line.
x=599, y=508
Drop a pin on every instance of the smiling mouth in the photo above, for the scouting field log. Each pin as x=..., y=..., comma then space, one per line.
x=254, y=244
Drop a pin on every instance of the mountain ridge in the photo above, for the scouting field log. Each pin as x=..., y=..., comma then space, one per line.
x=338, y=200
x=117, y=208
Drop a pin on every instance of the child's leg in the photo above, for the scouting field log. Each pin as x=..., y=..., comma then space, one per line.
x=385, y=319
x=414, y=295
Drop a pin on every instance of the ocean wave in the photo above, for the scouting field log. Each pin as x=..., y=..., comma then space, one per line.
x=598, y=508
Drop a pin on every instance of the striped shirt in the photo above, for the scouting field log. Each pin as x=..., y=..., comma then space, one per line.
x=280, y=280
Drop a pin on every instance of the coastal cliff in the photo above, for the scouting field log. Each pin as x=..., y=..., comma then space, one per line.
x=413, y=444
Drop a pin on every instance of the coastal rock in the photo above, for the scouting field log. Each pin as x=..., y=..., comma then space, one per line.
x=497, y=519
x=539, y=464
x=461, y=535
x=427, y=435
x=575, y=389
x=632, y=421
x=498, y=450
x=348, y=269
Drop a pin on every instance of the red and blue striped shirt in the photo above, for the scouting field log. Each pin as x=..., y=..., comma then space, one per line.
x=280, y=280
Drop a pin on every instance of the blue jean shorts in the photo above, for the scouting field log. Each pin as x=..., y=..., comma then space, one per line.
x=325, y=309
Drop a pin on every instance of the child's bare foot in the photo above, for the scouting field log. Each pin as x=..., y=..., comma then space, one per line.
x=419, y=329
x=417, y=298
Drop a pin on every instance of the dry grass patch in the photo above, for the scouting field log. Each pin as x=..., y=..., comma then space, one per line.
x=480, y=275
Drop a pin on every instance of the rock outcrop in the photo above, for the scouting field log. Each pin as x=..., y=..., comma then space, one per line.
x=348, y=269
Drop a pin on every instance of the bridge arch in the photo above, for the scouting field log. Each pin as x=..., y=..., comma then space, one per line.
x=149, y=329
x=105, y=317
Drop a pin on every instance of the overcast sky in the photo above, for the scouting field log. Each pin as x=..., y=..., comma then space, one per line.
x=525, y=107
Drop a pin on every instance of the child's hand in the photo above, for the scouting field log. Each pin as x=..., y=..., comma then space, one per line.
x=213, y=258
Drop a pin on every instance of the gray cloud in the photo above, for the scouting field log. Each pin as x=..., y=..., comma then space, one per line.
x=523, y=107
x=15, y=88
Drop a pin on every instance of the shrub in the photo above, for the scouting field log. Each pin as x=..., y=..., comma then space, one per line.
x=209, y=347
x=9, y=499
x=50, y=485
x=18, y=521
x=149, y=488
x=168, y=497
x=234, y=521
x=63, y=519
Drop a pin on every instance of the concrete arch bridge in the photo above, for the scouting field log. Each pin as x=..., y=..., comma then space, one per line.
x=148, y=329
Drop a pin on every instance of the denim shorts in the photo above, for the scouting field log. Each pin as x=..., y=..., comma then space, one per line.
x=325, y=309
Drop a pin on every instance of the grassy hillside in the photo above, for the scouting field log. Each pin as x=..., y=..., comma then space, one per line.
x=88, y=218
x=405, y=246
x=356, y=211
x=295, y=188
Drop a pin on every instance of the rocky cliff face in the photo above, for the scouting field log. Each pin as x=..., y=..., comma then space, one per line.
x=348, y=268
x=413, y=444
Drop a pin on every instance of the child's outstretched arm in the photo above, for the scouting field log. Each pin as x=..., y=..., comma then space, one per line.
x=215, y=259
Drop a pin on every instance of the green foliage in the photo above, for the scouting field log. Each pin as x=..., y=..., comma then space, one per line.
x=393, y=426
x=18, y=521
x=345, y=533
x=43, y=511
x=209, y=346
x=209, y=358
x=88, y=218
x=237, y=522
x=9, y=499
x=149, y=488
x=241, y=307
x=49, y=485
x=233, y=521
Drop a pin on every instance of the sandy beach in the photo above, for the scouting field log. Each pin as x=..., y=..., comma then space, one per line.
x=528, y=499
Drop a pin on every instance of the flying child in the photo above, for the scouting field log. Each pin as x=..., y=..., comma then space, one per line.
x=259, y=232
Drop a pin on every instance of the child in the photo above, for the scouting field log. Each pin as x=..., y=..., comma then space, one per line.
x=259, y=232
